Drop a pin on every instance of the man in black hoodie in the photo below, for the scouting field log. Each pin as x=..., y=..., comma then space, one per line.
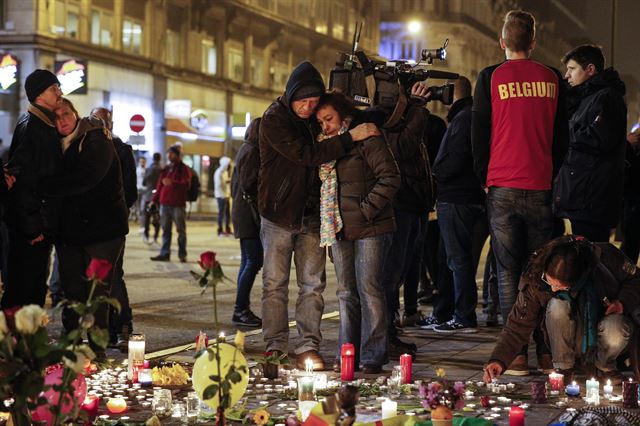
x=589, y=188
x=289, y=204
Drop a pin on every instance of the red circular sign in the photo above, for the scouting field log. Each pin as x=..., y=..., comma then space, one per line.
x=136, y=123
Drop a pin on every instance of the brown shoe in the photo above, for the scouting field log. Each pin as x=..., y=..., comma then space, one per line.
x=545, y=363
x=518, y=367
x=318, y=362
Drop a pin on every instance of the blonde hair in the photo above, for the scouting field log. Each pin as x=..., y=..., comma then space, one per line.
x=68, y=103
x=519, y=30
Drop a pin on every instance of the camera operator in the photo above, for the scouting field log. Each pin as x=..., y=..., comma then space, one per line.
x=411, y=206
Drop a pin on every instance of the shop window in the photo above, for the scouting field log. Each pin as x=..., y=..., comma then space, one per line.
x=209, y=57
x=236, y=62
x=101, y=27
x=173, y=48
x=67, y=14
x=407, y=49
x=132, y=36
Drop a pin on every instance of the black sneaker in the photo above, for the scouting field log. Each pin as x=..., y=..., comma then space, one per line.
x=246, y=318
x=161, y=258
x=397, y=347
x=453, y=326
x=428, y=323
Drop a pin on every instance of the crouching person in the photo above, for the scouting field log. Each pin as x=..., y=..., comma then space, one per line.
x=587, y=297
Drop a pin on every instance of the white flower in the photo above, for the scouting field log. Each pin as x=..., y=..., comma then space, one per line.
x=83, y=354
x=4, y=329
x=29, y=318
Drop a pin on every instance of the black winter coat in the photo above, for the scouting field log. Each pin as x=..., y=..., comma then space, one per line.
x=289, y=186
x=244, y=191
x=589, y=185
x=453, y=166
x=93, y=206
x=34, y=154
x=128, y=166
x=408, y=145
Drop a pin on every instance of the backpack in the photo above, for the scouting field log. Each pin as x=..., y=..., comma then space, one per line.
x=194, y=188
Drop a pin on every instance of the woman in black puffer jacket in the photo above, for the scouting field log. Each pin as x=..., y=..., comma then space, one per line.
x=365, y=181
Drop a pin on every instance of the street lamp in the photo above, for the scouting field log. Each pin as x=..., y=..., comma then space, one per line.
x=414, y=27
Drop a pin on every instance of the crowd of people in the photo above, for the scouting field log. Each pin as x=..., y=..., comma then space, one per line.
x=528, y=149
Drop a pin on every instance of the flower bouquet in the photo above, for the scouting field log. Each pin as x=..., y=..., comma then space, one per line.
x=441, y=397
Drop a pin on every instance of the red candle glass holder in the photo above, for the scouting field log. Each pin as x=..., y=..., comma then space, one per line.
x=347, y=362
x=406, y=367
x=516, y=416
x=630, y=394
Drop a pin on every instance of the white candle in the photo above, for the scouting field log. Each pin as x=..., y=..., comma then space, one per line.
x=136, y=353
x=308, y=364
x=593, y=391
x=607, y=389
x=321, y=382
x=389, y=409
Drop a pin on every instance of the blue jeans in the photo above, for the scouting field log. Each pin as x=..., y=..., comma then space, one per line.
x=406, y=245
x=565, y=335
x=279, y=245
x=457, y=222
x=520, y=221
x=224, y=215
x=168, y=215
x=363, y=319
x=251, y=257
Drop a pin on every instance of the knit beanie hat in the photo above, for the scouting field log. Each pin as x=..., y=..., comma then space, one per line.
x=309, y=91
x=37, y=82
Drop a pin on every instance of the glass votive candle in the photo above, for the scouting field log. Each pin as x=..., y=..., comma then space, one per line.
x=178, y=410
x=539, y=391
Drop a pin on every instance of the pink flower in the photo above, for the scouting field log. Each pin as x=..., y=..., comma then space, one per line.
x=98, y=269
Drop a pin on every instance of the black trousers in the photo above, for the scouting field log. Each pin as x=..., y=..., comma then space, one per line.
x=73, y=262
x=592, y=231
x=27, y=271
x=631, y=230
x=119, y=291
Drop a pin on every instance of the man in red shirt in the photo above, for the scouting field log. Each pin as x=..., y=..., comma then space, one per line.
x=171, y=191
x=519, y=135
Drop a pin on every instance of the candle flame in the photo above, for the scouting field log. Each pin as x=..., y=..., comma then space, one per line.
x=573, y=383
x=608, y=382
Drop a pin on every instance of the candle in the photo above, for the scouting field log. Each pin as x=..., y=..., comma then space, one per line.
x=573, y=389
x=221, y=337
x=308, y=365
x=90, y=406
x=136, y=355
x=539, y=391
x=593, y=391
x=556, y=381
x=347, y=362
x=305, y=388
x=116, y=405
x=406, y=363
x=389, y=409
x=607, y=389
x=320, y=382
x=630, y=394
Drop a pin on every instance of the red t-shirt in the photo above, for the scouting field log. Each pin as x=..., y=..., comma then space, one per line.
x=523, y=104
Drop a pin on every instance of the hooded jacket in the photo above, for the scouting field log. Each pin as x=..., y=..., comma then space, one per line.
x=289, y=186
x=93, y=207
x=221, y=179
x=244, y=188
x=589, y=185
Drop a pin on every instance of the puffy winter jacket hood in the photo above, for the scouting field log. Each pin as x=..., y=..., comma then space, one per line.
x=608, y=78
x=305, y=74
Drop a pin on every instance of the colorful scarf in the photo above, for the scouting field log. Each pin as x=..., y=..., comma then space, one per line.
x=330, y=219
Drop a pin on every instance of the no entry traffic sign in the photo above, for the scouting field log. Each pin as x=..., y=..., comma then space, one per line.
x=136, y=123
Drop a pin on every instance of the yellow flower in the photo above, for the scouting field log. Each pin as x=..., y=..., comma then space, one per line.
x=440, y=372
x=261, y=417
x=239, y=340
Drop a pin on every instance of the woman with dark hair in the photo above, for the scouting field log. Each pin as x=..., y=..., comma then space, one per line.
x=246, y=223
x=357, y=221
x=587, y=296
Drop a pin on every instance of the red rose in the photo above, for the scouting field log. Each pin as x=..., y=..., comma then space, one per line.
x=98, y=269
x=207, y=260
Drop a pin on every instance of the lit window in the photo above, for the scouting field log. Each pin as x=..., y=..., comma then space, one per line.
x=173, y=48
x=132, y=36
x=101, y=27
x=67, y=15
x=236, y=64
x=209, y=57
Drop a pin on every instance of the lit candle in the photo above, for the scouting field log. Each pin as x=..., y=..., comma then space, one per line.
x=630, y=394
x=607, y=389
x=90, y=406
x=573, y=389
x=305, y=388
x=406, y=364
x=347, y=362
x=556, y=381
x=593, y=391
x=389, y=409
x=516, y=416
x=136, y=355
x=308, y=364
x=539, y=391
x=221, y=337
x=320, y=382
x=116, y=405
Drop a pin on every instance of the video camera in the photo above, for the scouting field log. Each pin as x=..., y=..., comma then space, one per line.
x=375, y=82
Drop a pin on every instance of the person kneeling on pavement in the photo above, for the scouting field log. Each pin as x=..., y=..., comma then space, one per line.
x=587, y=296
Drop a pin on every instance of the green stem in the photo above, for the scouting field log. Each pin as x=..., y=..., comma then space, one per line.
x=217, y=340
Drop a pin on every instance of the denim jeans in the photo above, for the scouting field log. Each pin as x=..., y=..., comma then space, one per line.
x=363, y=319
x=279, y=245
x=405, y=245
x=457, y=222
x=251, y=257
x=168, y=215
x=224, y=215
x=565, y=336
x=520, y=222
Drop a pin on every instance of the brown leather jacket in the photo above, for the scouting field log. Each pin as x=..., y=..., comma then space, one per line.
x=614, y=276
x=368, y=179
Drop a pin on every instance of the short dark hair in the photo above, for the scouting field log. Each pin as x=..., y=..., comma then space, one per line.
x=253, y=131
x=568, y=261
x=586, y=54
x=340, y=102
x=462, y=87
x=519, y=30
x=157, y=156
